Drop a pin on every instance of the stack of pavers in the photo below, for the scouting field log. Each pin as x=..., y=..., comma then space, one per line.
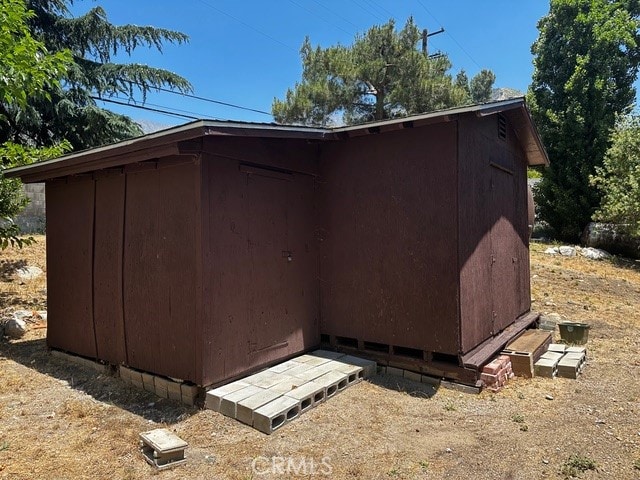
x=273, y=397
x=562, y=361
x=496, y=373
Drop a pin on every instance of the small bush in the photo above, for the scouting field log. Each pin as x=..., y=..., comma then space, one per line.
x=577, y=464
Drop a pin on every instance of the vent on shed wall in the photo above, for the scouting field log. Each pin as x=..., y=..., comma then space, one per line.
x=502, y=127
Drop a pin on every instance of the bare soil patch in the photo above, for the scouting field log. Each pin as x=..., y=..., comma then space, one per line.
x=62, y=421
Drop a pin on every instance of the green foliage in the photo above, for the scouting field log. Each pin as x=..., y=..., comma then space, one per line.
x=533, y=173
x=28, y=70
x=69, y=111
x=619, y=177
x=381, y=75
x=577, y=464
x=586, y=61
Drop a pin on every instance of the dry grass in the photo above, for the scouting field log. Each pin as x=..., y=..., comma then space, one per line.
x=61, y=421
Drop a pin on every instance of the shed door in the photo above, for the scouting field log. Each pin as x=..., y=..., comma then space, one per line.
x=282, y=292
x=504, y=258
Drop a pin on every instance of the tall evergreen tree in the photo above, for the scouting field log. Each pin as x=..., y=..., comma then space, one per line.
x=69, y=111
x=381, y=75
x=586, y=62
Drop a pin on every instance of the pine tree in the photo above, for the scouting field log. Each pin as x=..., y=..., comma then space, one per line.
x=69, y=111
x=381, y=75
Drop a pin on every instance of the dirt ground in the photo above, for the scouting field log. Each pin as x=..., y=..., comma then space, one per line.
x=61, y=421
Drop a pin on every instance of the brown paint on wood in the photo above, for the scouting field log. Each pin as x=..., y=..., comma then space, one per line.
x=107, y=269
x=70, y=266
x=388, y=234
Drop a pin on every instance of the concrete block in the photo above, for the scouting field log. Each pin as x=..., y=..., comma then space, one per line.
x=354, y=373
x=333, y=382
x=174, y=391
x=552, y=355
x=286, y=385
x=546, y=367
x=327, y=354
x=229, y=402
x=161, y=386
x=275, y=414
x=134, y=376
x=190, y=393
x=246, y=406
x=570, y=366
x=413, y=376
x=303, y=367
x=315, y=372
x=124, y=373
x=284, y=366
x=557, y=347
x=81, y=361
x=396, y=372
x=312, y=360
x=381, y=370
x=368, y=366
x=148, y=382
x=576, y=349
x=309, y=395
x=213, y=397
x=266, y=379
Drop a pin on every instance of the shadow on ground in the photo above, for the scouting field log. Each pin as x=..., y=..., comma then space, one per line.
x=107, y=388
x=414, y=389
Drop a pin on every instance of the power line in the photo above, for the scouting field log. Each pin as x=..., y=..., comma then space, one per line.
x=321, y=18
x=210, y=100
x=365, y=9
x=381, y=8
x=337, y=14
x=248, y=26
x=450, y=36
x=142, y=107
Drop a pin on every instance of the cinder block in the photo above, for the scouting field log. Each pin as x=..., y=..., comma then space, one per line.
x=275, y=414
x=317, y=371
x=309, y=395
x=161, y=386
x=333, y=382
x=81, y=361
x=284, y=366
x=148, y=382
x=266, y=379
x=246, y=406
x=556, y=356
x=286, y=385
x=312, y=360
x=189, y=393
x=327, y=354
x=569, y=366
x=125, y=373
x=557, y=347
x=174, y=392
x=576, y=349
x=397, y=372
x=213, y=397
x=135, y=377
x=416, y=377
x=295, y=371
x=354, y=373
x=546, y=367
x=368, y=366
x=229, y=402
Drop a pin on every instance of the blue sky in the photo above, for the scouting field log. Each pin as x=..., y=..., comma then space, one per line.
x=247, y=52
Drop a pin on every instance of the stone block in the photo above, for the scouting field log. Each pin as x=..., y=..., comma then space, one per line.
x=246, y=406
x=430, y=380
x=309, y=395
x=275, y=414
x=213, y=397
x=327, y=354
x=396, y=372
x=368, y=366
x=162, y=387
x=174, y=392
x=148, y=382
x=228, y=403
x=189, y=393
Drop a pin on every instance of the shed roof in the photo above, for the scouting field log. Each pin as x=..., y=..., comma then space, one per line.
x=166, y=142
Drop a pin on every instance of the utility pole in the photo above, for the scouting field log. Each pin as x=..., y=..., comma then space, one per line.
x=425, y=36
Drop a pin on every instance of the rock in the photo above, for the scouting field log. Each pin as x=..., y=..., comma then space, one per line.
x=548, y=397
x=15, y=328
x=567, y=251
x=28, y=273
x=552, y=251
x=548, y=322
x=595, y=253
x=23, y=314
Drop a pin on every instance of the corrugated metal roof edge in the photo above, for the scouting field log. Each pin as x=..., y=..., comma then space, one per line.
x=94, y=157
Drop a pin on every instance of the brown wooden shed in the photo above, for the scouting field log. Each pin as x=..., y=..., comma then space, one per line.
x=208, y=250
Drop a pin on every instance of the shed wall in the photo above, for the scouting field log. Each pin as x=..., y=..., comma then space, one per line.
x=388, y=239
x=259, y=208
x=494, y=248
